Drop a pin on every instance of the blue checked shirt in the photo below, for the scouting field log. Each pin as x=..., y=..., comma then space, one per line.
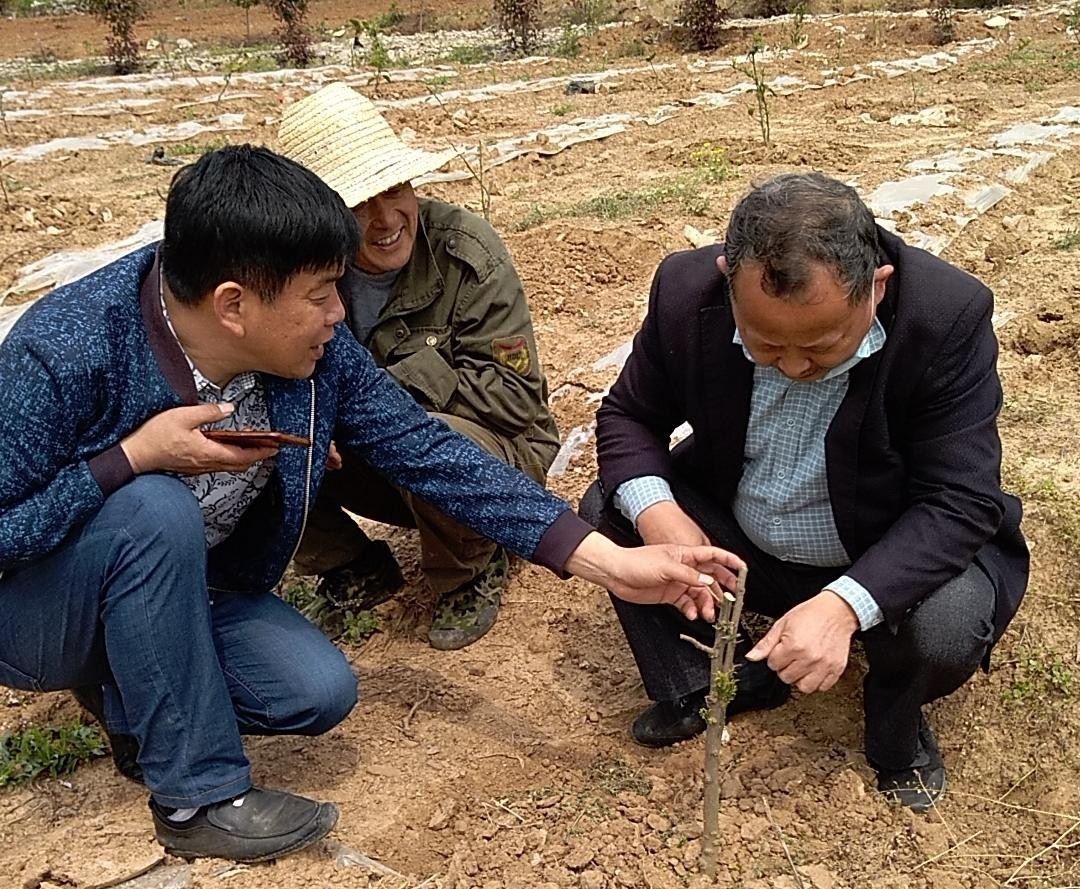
x=782, y=502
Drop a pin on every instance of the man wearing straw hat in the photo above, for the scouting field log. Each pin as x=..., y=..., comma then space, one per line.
x=434, y=296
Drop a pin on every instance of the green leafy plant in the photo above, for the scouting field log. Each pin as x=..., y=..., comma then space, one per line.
x=703, y=20
x=519, y=21
x=943, y=22
x=292, y=32
x=562, y=109
x=52, y=750
x=590, y=13
x=569, y=45
x=1069, y=240
x=798, y=24
x=755, y=70
x=469, y=54
x=120, y=17
x=360, y=626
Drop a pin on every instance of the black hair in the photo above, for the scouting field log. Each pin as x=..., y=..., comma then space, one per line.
x=796, y=219
x=245, y=214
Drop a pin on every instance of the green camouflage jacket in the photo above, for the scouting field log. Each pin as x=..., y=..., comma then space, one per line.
x=456, y=333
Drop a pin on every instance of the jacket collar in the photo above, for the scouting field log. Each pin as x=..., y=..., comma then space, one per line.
x=421, y=282
x=167, y=352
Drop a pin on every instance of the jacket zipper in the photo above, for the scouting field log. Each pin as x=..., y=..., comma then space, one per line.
x=307, y=479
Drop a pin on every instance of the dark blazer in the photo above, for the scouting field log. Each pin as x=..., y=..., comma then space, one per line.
x=913, y=454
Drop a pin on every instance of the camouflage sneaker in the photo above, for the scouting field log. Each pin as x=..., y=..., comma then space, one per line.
x=367, y=581
x=464, y=615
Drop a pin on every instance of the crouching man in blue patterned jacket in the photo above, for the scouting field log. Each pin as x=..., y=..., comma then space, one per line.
x=139, y=555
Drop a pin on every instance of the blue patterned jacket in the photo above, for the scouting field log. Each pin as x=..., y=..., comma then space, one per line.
x=92, y=361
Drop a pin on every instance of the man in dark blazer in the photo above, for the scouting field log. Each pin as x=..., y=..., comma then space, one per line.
x=842, y=392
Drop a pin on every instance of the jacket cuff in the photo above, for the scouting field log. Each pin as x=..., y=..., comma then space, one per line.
x=111, y=469
x=562, y=537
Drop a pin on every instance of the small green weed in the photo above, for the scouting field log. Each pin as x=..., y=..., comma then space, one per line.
x=52, y=750
x=569, y=45
x=1037, y=677
x=359, y=626
x=616, y=776
x=1069, y=240
x=562, y=110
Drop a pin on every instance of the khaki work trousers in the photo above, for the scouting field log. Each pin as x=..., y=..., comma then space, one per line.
x=450, y=553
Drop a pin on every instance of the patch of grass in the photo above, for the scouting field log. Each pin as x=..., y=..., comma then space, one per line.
x=632, y=49
x=1069, y=240
x=52, y=750
x=190, y=149
x=359, y=626
x=712, y=163
x=467, y=54
x=439, y=80
x=590, y=13
x=623, y=204
x=616, y=776
x=1041, y=61
x=562, y=109
x=1038, y=677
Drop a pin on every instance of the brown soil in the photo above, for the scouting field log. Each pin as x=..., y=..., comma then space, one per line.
x=509, y=764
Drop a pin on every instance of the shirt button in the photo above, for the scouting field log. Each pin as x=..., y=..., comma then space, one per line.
x=790, y=423
x=781, y=474
x=776, y=521
x=399, y=333
x=431, y=340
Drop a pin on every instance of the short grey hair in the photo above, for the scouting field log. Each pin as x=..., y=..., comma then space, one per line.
x=794, y=220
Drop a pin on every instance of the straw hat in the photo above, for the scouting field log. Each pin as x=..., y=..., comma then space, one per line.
x=340, y=135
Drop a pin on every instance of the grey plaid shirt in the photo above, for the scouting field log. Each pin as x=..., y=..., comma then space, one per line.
x=782, y=502
x=225, y=496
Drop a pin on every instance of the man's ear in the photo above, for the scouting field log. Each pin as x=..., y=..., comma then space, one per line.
x=881, y=278
x=229, y=302
x=721, y=263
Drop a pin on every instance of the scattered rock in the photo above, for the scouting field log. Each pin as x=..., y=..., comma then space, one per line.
x=819, y=876
x=657, y=822
x=592, y=879
x=440, y=818
x=996, y=22
x=579, y=857
x=575, y=87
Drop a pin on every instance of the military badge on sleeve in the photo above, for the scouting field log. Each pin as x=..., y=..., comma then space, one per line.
x=512, y=352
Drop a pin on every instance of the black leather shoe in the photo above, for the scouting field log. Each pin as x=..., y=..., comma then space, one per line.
x=259, y=825
x=125, y=748
x=919, y=787
x=668, y=722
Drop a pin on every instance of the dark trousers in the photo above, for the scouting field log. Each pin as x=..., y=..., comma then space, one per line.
x=936, y=649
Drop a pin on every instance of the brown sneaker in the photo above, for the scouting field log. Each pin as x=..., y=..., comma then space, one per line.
x=464, y=615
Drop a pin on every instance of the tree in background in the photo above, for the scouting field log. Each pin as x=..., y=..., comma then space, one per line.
x=294, y=37
x=246, y=5
x=519, y=20
x=120, y=16
x=702, y=20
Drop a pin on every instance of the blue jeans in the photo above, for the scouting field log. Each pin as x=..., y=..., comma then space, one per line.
x=123, y=602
